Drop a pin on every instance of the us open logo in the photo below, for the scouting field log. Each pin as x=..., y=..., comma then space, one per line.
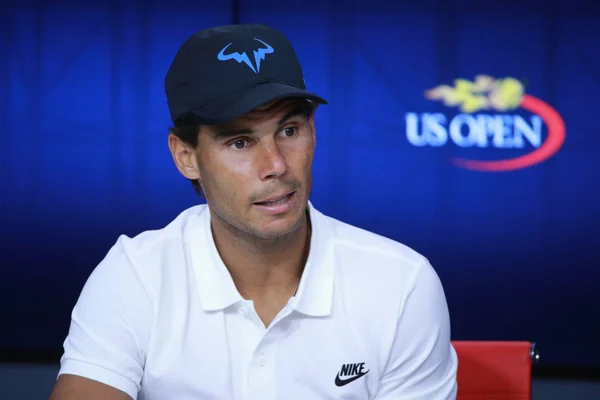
x=485, y=121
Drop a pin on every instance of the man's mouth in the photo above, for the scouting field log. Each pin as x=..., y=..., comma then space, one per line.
x=276, y=200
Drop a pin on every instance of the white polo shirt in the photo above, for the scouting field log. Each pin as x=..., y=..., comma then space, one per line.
x=160, y=318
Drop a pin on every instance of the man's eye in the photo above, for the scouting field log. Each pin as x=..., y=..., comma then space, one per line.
x=238, y=144
x=290, y=131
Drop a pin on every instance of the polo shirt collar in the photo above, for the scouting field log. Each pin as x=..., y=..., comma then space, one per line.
x=217, y=290
x=315, y=292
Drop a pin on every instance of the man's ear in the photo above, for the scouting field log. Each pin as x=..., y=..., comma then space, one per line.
x=185, y=157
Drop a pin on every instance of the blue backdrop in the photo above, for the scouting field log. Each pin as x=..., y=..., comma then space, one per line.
x=84, y=157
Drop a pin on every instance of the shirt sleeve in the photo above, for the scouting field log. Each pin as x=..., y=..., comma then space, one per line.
x=109, y=330
x=422, y=363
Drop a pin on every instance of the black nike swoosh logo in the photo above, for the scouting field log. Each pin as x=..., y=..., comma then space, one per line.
x=341, y=382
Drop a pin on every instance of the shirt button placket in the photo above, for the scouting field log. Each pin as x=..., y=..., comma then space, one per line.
x=262, y=383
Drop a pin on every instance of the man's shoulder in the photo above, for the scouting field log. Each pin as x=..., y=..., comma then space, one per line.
x=383, y=271
x=172, y=234
x=356, y=240
x=146, y=257
x=153, y=250
x=388, y=265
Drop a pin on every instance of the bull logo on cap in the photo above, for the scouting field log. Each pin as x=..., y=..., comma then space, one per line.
x=259, y=54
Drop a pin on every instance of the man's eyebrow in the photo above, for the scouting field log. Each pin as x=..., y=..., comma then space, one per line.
x=294, y=112
x=226, y=132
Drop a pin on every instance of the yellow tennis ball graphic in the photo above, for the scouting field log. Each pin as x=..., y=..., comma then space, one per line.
x=507, y=94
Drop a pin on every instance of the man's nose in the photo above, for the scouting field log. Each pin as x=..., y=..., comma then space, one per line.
x=271, y=160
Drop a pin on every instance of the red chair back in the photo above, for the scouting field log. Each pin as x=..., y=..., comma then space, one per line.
x=489, y=370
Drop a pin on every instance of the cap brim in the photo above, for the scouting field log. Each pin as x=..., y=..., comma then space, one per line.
x=234, y=105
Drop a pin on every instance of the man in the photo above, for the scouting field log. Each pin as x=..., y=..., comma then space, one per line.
x=256, y=295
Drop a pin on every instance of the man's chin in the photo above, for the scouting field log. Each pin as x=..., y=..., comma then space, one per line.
x=277, y=231
x=279, y=228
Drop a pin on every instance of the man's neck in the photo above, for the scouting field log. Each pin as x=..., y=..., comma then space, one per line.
x=262, y=269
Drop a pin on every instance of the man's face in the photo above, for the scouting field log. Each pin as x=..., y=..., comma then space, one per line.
x=256, y=172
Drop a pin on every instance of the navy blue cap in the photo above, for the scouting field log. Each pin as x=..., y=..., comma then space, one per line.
x=224, y=72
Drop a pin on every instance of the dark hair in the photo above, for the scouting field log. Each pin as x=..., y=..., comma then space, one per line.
x=187, y=129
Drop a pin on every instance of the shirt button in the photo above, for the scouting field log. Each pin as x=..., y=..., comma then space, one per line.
x=262, y=361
